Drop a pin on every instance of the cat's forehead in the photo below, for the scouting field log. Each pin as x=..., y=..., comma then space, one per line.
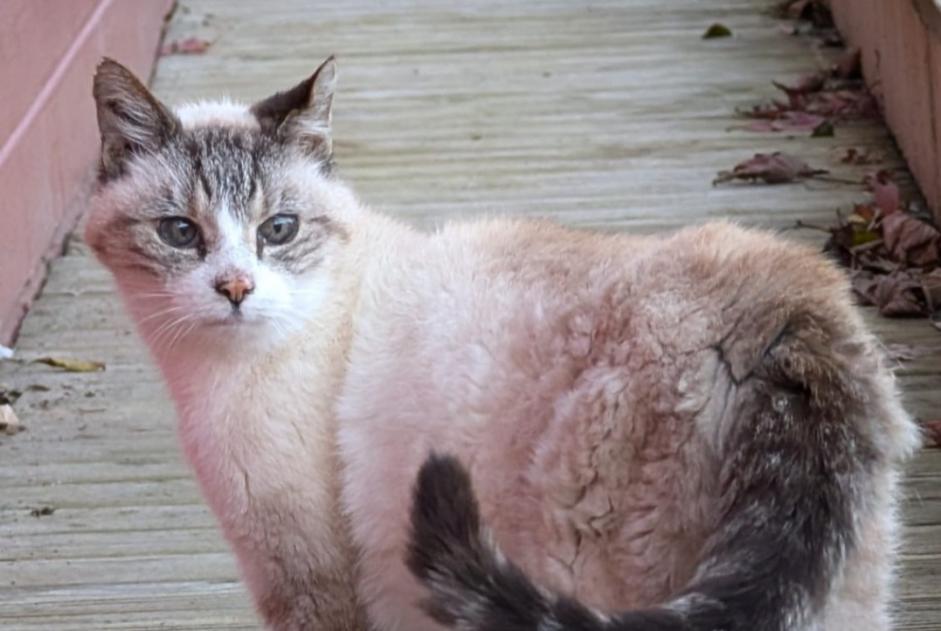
x=224, y=166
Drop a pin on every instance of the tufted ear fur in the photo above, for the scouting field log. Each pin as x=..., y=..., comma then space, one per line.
x=302, y=114
x=131, y=120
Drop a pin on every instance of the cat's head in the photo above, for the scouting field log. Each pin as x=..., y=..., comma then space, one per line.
x=217, y=218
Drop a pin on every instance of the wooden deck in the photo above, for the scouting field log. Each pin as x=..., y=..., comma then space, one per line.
x=610, y=114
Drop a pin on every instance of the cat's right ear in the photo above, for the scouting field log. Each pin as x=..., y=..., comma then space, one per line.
x=302, y=114
x=131, y=119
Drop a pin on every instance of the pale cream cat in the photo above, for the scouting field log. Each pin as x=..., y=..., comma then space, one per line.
x=698, y=419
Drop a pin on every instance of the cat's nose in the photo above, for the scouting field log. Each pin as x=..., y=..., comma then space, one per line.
x=235, y=288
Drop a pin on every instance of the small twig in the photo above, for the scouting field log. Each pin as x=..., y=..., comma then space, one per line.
x=799, y=224
x=837, y=180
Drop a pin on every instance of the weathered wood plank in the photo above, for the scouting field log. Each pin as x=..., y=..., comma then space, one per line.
x=610, y=114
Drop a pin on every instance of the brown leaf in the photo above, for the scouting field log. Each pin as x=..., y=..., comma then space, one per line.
x=788, y=121
x=716, y=31
x=774, y=168
x=931, y=286
x=186, y=46
x=908, y=352
x=9, y=423
x=852, y=155
x=72, y=365
x=895, y=294
x=42, y=511
x=910, y=240
x=932, y=430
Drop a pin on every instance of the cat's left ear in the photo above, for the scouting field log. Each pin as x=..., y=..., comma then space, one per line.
x=302, y=114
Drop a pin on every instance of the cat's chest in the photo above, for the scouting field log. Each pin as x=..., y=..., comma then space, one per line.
x=239, y=421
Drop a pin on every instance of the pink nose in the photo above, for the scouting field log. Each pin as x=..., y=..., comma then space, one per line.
x=235, y=288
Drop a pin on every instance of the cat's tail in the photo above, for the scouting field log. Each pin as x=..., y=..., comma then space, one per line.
x=474, y=587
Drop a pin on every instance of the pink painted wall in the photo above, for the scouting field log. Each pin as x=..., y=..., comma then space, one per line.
x=48, y=134
x=900, y=42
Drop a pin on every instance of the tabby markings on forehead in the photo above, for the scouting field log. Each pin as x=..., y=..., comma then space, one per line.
x=228, y=164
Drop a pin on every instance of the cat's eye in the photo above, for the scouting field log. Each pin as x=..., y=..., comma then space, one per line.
x=179, y=232
x=279, y=229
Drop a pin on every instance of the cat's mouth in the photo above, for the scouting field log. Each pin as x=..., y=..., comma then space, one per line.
x=234, y=319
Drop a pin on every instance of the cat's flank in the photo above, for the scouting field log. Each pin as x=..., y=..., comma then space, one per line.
x=696, y=426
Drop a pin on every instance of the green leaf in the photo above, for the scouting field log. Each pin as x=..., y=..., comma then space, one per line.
x=823, y=130
x=716, y=31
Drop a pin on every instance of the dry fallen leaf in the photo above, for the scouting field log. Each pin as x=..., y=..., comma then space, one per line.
x=788, y=121
x=72, y=365
x=774, y=168
x=42, y=511
x=852, y=155
x=9, y=423
x=932, y=432
x=895, y=294
x=909, y=352
x=186, y=46
x=716, y=31
x=931, y=286
x=910, y=240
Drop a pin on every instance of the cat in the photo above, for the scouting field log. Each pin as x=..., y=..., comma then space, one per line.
x=699, y=416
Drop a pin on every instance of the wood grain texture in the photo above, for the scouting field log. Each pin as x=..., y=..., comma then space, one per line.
x=614, y=115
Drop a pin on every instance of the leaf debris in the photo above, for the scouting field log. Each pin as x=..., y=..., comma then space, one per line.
x=773, y=168
x=716, y=31
x=71, y=365
x=932, y=432
x=185, y=46
x=42, y=511
x=894, y=257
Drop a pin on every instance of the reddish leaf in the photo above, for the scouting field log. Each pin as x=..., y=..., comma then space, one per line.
x=857, y=157
x=775, y=168
x=788, y=121
x=186, y=46
x=895, y=294
x=910, y=240
x=932, y=432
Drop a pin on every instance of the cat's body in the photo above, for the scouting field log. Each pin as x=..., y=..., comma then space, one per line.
x=590, y=382
x=595, y=387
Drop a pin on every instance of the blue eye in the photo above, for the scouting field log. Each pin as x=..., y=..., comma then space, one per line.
x=178, y=232
x=279, y=229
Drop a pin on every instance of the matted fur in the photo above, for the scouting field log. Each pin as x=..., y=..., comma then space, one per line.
x=591, y=383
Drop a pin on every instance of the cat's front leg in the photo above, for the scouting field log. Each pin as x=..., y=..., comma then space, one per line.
x=300, y=579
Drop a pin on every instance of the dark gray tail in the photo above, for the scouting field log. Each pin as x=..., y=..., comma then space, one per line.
x=473, y=587
x=785, y=533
